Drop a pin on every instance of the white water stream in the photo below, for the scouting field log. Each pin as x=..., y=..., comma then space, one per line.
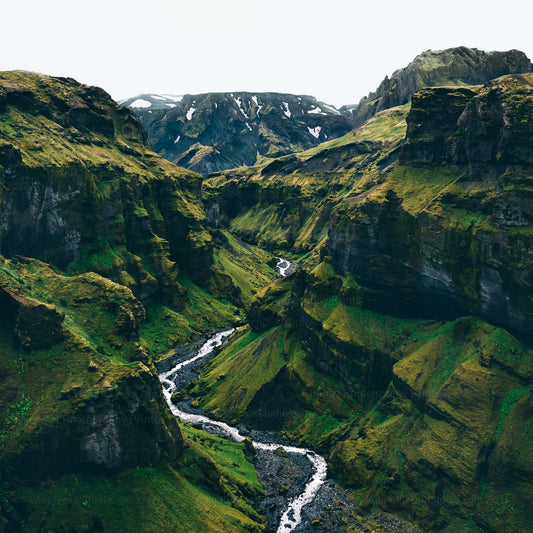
x=284, y=266
x=292, y=516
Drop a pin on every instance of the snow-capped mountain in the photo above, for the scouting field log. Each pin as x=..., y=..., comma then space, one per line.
x=217, y=131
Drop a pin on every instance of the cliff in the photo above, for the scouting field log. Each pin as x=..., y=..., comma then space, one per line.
x=79, y=389
x=461, y=243
x=430, y=216
x=131, y=268
x=438, y=68
x=401, y=346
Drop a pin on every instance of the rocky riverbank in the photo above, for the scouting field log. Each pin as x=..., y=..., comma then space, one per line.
x=283, y=475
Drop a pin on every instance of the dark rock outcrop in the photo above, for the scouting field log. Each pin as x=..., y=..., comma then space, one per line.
x=417, y=262
x=117, y=429
x=75, y=399
x=454, y=66
x=82, y=189
x=489, y=128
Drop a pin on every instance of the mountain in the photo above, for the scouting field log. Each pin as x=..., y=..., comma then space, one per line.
x=454, y=66
x=401, y=346
x=106, y=262
x=217, y=131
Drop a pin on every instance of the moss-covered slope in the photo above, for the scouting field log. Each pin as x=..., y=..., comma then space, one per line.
x=77, y=386
x=83, y=191
x=417, y=416
x=85, y=435
x=438, y=208
x=392, y=349
x=133, y=269
x=286, y=203
x=448, y=230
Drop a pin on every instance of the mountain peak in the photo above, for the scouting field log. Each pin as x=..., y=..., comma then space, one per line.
x=436, y=68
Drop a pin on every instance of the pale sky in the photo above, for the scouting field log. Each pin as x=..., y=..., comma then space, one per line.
x=336, y=50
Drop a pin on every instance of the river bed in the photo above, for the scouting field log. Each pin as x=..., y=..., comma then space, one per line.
x=171, y=379
x=298, y=497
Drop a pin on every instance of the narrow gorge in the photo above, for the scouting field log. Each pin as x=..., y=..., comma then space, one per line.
x=323, y=323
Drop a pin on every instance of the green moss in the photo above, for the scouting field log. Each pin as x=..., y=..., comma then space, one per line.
x=236, y=374
x=246, y=265
x=154, y=499
x=218, y=464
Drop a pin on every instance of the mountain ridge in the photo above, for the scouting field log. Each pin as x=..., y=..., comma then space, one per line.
x=403, y=339
x=210, y=132
x=452, y=66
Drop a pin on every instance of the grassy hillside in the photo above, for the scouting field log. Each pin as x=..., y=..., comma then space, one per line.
x=286, y=203
x=401, y=346
x=131, y=269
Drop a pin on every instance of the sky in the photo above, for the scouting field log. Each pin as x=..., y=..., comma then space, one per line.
x=335, y=50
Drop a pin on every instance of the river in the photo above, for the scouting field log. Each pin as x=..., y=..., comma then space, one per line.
x=292, y=516
x=317, y=490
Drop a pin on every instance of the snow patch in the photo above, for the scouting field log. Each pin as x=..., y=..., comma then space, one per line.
x=190, y=112
x=254, y=98
x=248, y=126
x=316, y=111
x=177, y=139
x=239, y=103
x=287, y=111
x=141, y=103
x=171, y=105
x=157, y=97
x=315, y=132
x=173, y=97
x=332, y=109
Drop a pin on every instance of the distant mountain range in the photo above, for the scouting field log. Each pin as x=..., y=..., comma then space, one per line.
x=218, y=131
x=212, y=132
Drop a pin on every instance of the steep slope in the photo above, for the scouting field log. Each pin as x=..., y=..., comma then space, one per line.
x=82, y=190
x=444, y=211
x=286, y=203
x=438, y=68
x=427, y=418
x=133, y=269
x=217, y=131
x=401, y=347
x=449, y=230
x=86, y=443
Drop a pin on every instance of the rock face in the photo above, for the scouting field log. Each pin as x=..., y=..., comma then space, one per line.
x=82, y=190
x=368, y=346
x=117, y=429
x=432, y=224
x=454, y=66
x=75, y=394
x=488, y=129
x=217, y=131
x=416, y=260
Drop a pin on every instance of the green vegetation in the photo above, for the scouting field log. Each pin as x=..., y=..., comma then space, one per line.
x=119, y=225
x=147, y=499
x=385, y=350
x=291, y=211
